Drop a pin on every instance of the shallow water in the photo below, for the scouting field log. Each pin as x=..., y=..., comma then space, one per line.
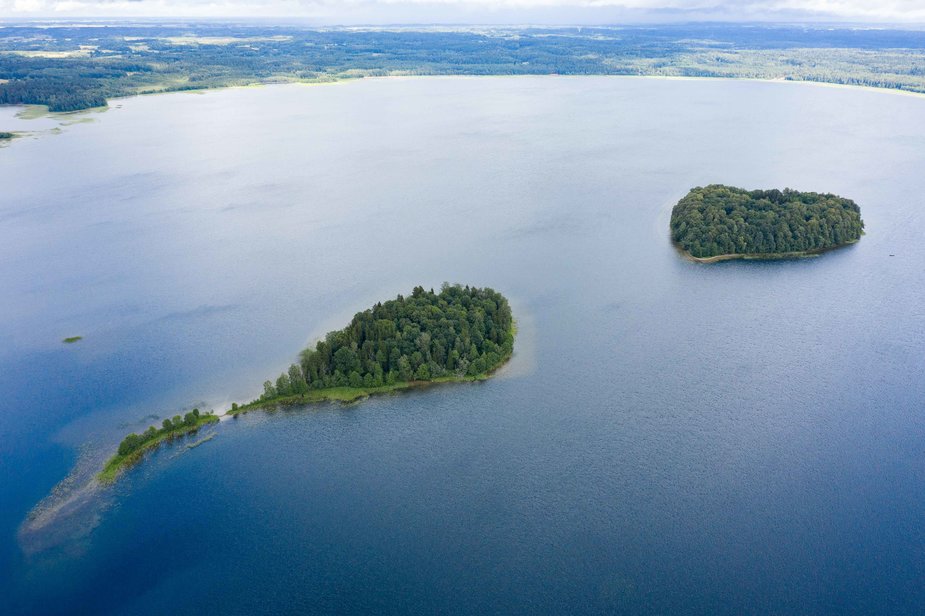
x=669, y=437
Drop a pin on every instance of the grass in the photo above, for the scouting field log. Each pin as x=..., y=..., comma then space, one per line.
x=72, y=339
x=117, y=464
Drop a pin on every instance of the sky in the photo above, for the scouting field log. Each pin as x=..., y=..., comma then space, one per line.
x=346, y=12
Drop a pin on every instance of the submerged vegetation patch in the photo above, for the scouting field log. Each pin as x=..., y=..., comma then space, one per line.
x=719, y=222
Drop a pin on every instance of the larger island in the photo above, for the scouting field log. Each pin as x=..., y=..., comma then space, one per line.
x=459, y=334
x=716, y=223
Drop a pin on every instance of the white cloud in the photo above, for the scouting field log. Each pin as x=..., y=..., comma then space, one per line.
x=484, y=11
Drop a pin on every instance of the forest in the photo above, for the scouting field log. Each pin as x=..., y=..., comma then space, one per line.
x=77, y=66
x=460, y=332
x=722, y=220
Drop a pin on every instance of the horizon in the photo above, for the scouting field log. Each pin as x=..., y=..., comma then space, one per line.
x=310, y=23
x=546, y=13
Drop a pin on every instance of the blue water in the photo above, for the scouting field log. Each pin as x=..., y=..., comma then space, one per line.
x=669, y=437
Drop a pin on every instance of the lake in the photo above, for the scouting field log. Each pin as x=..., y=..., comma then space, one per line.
x=670, y=437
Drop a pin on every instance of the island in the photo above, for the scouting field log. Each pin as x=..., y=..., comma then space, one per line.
x=459, y=334
x=134, y=446
x=718, y=223
x=72, y=339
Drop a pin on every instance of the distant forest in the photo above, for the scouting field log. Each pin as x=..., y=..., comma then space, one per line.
x=722, y=220
x=71, y=67
x=459, y=332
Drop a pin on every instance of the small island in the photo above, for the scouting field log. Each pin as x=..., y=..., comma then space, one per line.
x=718, y=223
x=459, y=334
x=72, y=339
x=134, y=446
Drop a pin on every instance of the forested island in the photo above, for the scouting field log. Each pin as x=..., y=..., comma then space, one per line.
x=458, y=334
x=717, y=222
x=71, y=66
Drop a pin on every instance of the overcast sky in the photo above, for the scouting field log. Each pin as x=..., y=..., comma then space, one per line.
x=485, y=11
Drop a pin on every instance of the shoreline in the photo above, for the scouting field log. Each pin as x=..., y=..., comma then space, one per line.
x=347, y=395
x=771, y=256
x=34, y=111
x=118, y=464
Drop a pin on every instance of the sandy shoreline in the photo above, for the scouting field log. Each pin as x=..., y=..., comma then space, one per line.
x=31, y=112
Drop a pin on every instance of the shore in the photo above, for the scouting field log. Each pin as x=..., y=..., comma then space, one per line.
x=352, y=394
x=31, y=112
x=117, y=464
x=770, y=256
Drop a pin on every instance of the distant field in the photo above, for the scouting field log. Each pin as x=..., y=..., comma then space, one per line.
x=69, y=67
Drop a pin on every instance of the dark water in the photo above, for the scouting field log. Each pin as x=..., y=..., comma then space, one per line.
x=669, y=438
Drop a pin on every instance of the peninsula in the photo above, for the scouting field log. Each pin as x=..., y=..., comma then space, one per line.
x=459, y=334
x=134, y=446
x=718, y=223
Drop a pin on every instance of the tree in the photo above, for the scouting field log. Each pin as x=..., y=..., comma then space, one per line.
x=404, y=368
x=282, y=385
x=129, y=444
x=296, y=380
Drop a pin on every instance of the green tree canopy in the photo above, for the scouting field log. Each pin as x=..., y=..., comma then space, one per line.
x=460, y=331
x=722, y=220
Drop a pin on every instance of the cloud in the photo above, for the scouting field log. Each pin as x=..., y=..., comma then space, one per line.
x=483, y=11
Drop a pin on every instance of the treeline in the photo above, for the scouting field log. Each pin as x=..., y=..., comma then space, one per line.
x=121, y=60
x=133, y=442
x=458, y=332
x=69, y=84
x=720, y=220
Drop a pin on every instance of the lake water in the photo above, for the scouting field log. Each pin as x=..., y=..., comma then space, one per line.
x=669, y=437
